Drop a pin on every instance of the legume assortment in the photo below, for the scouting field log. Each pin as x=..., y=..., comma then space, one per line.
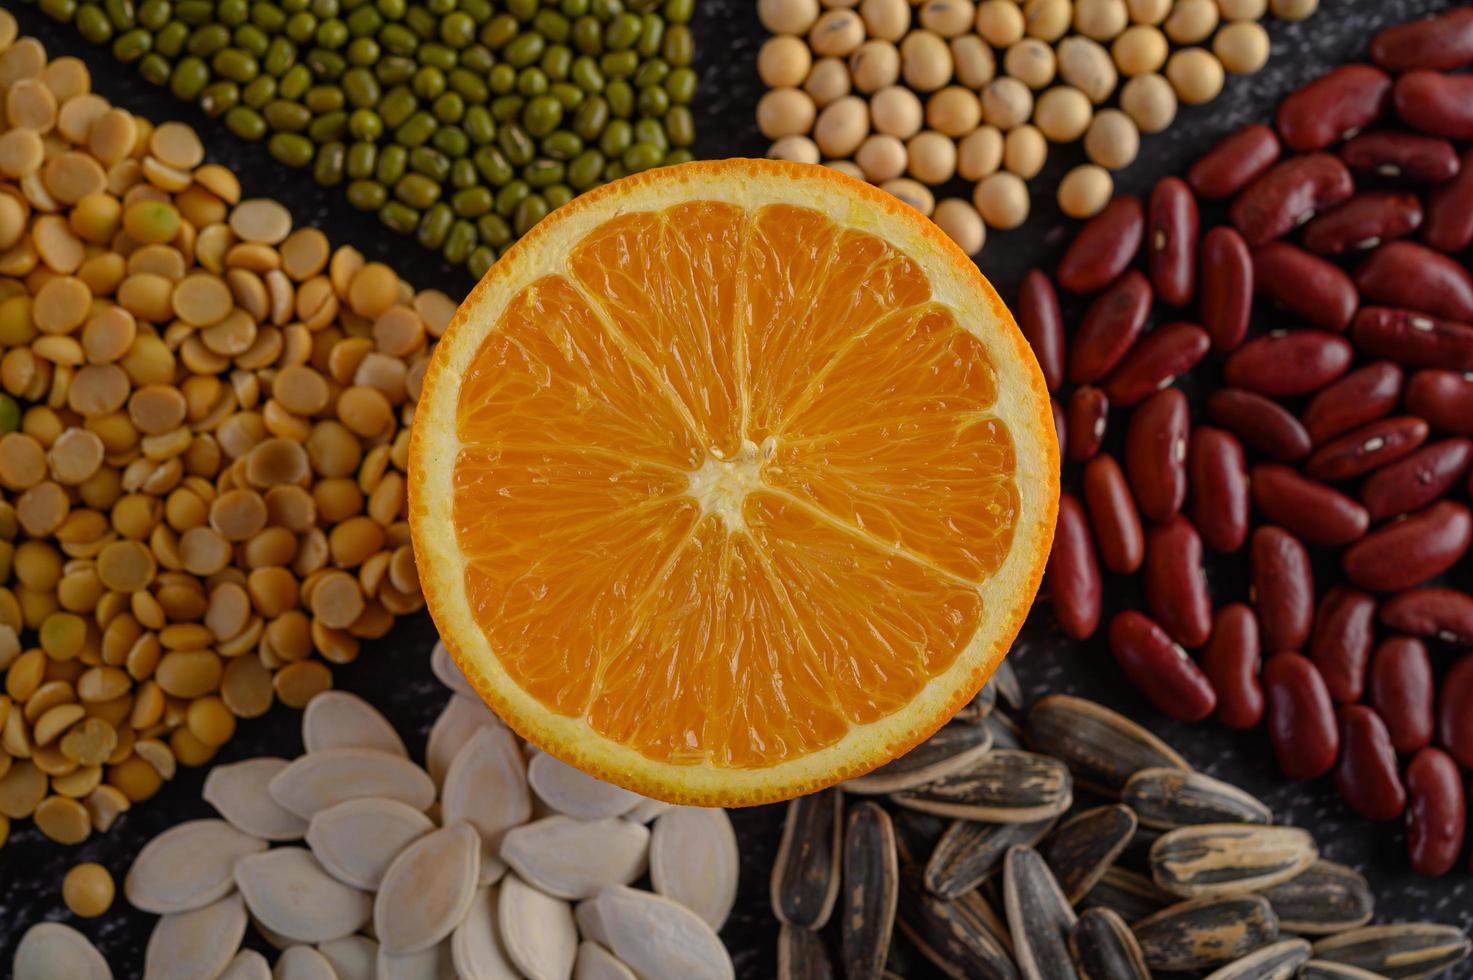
x=204, y=415
x=461, y=122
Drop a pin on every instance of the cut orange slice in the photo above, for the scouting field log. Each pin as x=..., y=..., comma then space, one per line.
x=731, y=480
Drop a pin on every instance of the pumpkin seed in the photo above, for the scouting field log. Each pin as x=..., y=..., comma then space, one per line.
x=1039, y=917
x=50, y=950
x=427, y=964
x=486, y=787
x=248, y=965
x=963, y=937
x=318, y=780
x=339, y=719
x=1166, y=798
x=694, y=861
x=953, y=748
x=659, y=939
x=1213, y=859
x=291, y=894
x=239, y=793
x=303, y=963
x=1102, y=748
x=1325, y=898
x=1326, y=970
x=357, y=840
x=647, y=809
x=801, y=955
x=1005, y=786
x=197, y=943
x=426, y=891
x=805, y=873
x=1403, y=951
x=575, y=859
x=969, y=852
x=352, y=957
x=1104, y=948
x=597, y=963
x=448, y=672
x=1279, y=961
x=1083, y=848
x=475, y=945
x=1132, y=895
x=460, y=720
x=1203, y=933
x=188, y=866
x=871, y=881
x=590, y=923
x=537, y=930
x=575, y=793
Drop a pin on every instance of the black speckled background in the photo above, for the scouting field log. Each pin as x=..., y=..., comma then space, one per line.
x=394, y=672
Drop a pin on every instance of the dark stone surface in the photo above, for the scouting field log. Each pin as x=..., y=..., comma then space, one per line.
x=394, y=673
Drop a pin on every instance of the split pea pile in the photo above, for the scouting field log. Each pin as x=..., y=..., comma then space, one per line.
x=916, y=97
x=203, y=438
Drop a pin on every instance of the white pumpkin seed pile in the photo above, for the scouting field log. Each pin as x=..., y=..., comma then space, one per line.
x=484, y=865
x=1077, y=846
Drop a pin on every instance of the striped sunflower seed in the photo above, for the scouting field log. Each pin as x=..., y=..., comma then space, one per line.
x=1102, y=748
x=1039, y=917
x=1279, y=961
x=801, y=955
x=975, y=711
x=871, y=886
x=1009, y=688
x=1204, y=933
x=963, y=938
x=1166, y=798
x=970, y=852
x=1104, y=948
x=1006, y=786
x=1080, y=850
x=1215, y=859
x=1005, y=731
x=1130, y=894
x=805, y=873
x=953, y=748
x=1326, y=970
x=1325, y=898
x=1402, y=951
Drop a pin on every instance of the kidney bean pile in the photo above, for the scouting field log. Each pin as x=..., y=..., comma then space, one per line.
x=1326, y=463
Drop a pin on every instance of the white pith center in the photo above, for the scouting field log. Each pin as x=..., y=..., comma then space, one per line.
x=721, y=485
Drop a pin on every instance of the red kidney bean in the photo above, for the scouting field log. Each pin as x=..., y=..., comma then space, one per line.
x=1362, y=450
x=1304, y=284
x=1230, y=661
x=1417, y=480
x=1364, y=221
x=1156, y=454
x=1455, y=714
x=1408, y=552
x=1436, y=103
x=1340, y=646
x=1367, y=775
x=1109, y=328
x=1289, y=194
x=1227, y=287
x=1234, y=162
x=1393, y=153
x=1443, y=614
x=1444, y=399
x=1282, y=588
x=1218, y=481
x=1439, y=42
x=1061, y=427
x=1104, y=247
x=1073, y=574
x=1043, y=325
x=1159, y=668
x=1311, y=510
x=1262, y=424
x=1112, y=512
x=1089, y=416
x=1285, y=363
x=1449, y=224
x=1155, y=361
x=1435, y=812
x=1338, y=104
x=1409, y=337
x=1400, y=690
x=1171, y=241
x=1411, y=275
x=1301, y=717
x=1362, y=396
x=1175, y=584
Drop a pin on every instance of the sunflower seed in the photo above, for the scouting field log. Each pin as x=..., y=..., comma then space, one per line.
x=50, y=950
x=409, y=914
x=536, y=930
x=303, y=963
x=871, y=883
x=1005, y=786
x=597, y=963
x=1039, y=917
x=487, y=788
x=250, y=965
x=1009, y=688
x=1102, y=748
x=805, y=873
x=291, y=894
x=953, y=748
x=1204, y=933
x=1325, y=898
x=1104, y=948
x=1326, y=970
x=1005, y=732
x=694, y=861
x=318, y=780
x=1132, y=895
x=659, y=939
x=963, y=938
x=1083, y=848
x=338, y=719
x=448, y=672
x=1403, y=951
x=1280, y=961
x=575, y=859
x=188, y=866
x=352, y=957
x=801, y=955
x=239, y=793
x=1216, y=858
x=357, y=840
x=969, y=852
x=981, y=705
x=197, y=943
x=1166, y=798
x=575, y=793
x=475, y=945
x=461, y=719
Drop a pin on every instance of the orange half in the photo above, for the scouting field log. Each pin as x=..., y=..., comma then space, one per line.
x=730, y=481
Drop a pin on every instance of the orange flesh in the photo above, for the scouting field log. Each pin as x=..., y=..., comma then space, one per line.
x=727, y=490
